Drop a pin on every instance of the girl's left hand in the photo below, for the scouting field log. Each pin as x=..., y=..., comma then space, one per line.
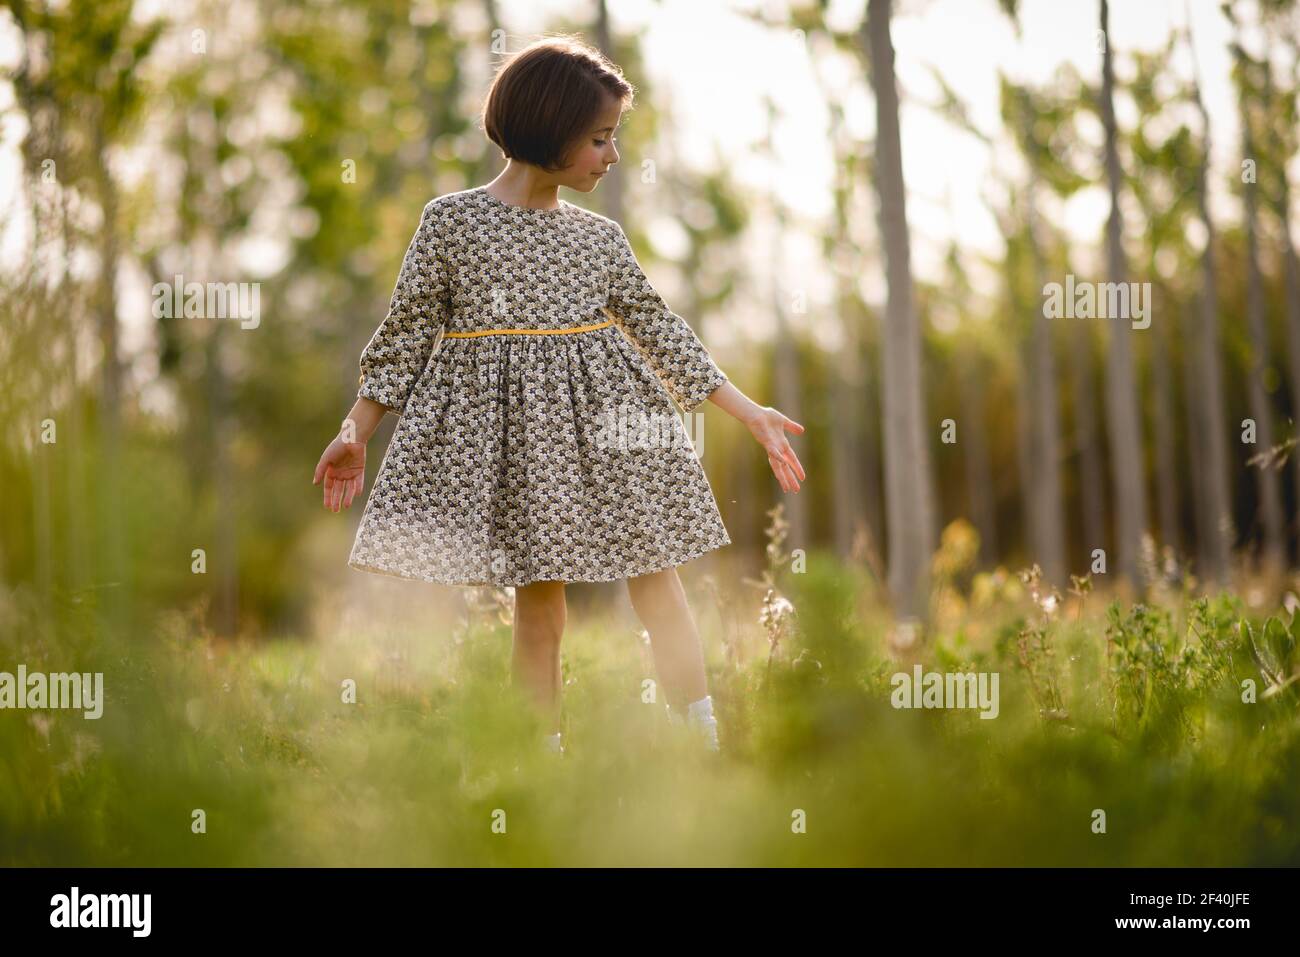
x=769, y=426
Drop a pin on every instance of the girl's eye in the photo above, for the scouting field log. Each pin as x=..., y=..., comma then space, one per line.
x=603, y=142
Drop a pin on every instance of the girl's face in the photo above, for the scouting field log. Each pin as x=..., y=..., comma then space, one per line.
x=594, y=154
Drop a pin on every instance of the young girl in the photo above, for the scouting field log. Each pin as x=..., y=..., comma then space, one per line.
x=523, y=344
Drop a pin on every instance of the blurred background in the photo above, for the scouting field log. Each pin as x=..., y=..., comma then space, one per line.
x=857, y=205
x=293, y=145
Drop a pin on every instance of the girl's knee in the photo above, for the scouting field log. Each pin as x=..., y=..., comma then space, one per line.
x=650, y=593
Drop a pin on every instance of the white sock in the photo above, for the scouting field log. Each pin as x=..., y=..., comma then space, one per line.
x=699, y=714
x=701, y=709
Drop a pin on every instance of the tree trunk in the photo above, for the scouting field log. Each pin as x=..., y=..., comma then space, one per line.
x=1092, y=483
x=1046, y=515
x=1213, y=511
x=973, y=440
x=1121, y=389
x=1166, y=469
x=873, y=522
x=1273, y=553
x=844, y=400
x=1292, y=312
x=908, y=476
x=1290, y=266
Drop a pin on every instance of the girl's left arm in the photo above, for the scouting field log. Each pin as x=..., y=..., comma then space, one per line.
x=768, y=426
x=670, y=346
x=685, y=367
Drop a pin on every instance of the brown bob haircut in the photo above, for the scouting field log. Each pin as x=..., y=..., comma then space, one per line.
x=546, y=97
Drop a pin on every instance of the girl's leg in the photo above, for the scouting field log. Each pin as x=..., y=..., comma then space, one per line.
x=540, y=614
x=660, y=602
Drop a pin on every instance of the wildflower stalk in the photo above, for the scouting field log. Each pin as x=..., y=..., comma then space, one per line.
x=1080, y=586
x=777, y=612
x=1033, y=646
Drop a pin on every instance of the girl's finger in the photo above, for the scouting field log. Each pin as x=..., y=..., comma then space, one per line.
x=794, y=462
x=794, y=482
x=792, y=425
x=791, y=484
x=782, y=473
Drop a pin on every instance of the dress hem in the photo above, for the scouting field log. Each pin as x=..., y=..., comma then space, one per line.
x=616, y=575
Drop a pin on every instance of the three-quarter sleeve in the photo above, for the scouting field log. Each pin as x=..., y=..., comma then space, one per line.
x=397, y=353
x=670, y=346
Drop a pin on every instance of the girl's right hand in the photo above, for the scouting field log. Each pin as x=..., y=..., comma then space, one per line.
x=343, y=466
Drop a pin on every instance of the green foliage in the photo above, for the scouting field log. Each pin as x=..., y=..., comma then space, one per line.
x=1148, y=665
x=287, y=773
x=1273, y=649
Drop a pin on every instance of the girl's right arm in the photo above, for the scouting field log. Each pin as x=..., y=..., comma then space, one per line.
x=365, y=417
x=399, y=350
x=343, y=463
x=391, y=361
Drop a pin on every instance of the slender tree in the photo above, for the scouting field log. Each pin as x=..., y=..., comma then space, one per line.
x=1022, y=113
x=1209, y=422
x=1273, y=551
x=1121, y=387
x=1166, y=196
x=1283, y=108
x=909, y=482
x=1046, y=512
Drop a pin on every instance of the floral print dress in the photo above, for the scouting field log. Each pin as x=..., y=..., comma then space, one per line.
x=532, y=365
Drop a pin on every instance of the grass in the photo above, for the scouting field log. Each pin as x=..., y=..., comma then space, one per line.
x=1134, y=710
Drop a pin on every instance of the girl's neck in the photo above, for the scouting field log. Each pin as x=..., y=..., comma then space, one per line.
x=521, y=189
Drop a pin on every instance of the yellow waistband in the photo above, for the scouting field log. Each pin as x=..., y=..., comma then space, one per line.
x=527, y=332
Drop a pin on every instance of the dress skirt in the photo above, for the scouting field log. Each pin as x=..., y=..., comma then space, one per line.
x=523, y=458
